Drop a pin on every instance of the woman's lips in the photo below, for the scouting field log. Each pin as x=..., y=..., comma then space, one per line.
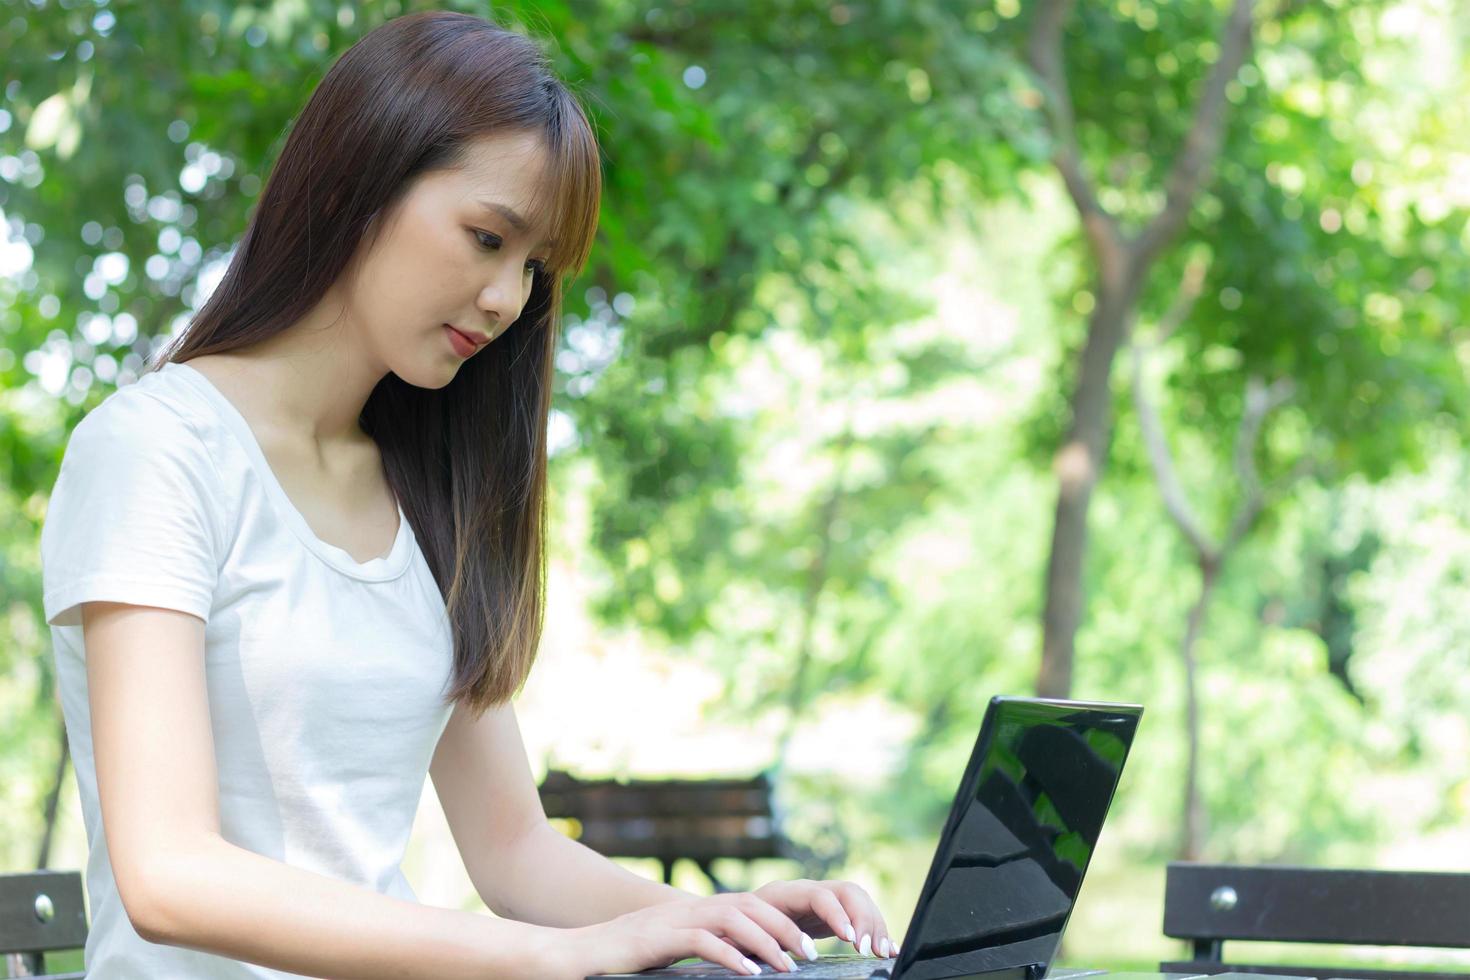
x=474, y=336
x=463, y=345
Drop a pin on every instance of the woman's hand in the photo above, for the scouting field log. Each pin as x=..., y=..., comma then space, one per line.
x=730, y=929
x=832, y=908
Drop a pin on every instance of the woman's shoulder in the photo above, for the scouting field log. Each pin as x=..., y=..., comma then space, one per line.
x=138, y=511
x=163, y=394
x=158, y=409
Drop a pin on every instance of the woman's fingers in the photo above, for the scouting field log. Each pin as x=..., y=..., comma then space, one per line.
x=777, y=923
x=827, y=906
x=708, y=946
x=731, y=921
x=741, y=930
x=869, y=929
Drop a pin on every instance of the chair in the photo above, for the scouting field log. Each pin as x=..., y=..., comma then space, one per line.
x=40, y=912
x=1207, y=904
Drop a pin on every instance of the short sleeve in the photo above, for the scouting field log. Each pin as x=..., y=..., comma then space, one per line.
x=134, y=514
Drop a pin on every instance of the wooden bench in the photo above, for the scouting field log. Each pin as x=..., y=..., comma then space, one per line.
x=40, y=912
x=1207, y=904
x=669, y=819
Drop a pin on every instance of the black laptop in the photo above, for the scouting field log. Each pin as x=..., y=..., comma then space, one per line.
x=1012, y=854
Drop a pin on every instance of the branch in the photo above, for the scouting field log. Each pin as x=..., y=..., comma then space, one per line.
x=1260, y=401
x=1157, y=444
x=1162, y=461
x=1202, y=143
x=1044, y=53
x=1245, y=519
x=1191, y=284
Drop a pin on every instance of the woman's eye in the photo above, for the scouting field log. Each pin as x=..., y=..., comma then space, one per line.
x=491, y=242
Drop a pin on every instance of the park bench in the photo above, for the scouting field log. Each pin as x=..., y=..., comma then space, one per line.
x=40, y=912
x=699, y=820
x=1207, y=904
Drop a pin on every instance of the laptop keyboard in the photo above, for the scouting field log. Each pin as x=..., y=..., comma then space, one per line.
x=834, y=966
x=837, y=966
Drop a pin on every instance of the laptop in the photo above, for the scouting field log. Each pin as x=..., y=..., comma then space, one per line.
x=1011, y=857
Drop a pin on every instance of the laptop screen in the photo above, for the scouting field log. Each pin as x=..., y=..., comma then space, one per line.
x=1019, y=837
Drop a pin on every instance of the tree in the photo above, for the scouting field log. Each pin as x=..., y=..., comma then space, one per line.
x=1123, y=262
x=1210, y=553
x=732, y=134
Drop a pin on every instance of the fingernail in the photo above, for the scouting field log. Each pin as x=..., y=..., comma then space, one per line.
x=866, y=946
x=808, y=947
x=849, y=936
x=883, y=948
x=895, y=947
x=790, y=963
x=754, y=970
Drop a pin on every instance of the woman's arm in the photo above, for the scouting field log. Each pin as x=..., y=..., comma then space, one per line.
x=223, y=899
x=181, y=883
x=552, y=880
x=522, y=867
x=527, y=871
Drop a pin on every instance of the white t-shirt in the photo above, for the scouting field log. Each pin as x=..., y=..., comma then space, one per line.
x=326, y=675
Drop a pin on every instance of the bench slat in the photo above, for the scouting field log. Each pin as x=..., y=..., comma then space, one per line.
x=700, y=820
x=1298, y=970
x=21, y=931
x=563, y=796
x=1319, y=905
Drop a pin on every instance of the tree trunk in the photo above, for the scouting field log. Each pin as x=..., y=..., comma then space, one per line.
x=1078, y=465
x=1122, y=261
x=816, y=584
x=53, y=798
x=1192, y=834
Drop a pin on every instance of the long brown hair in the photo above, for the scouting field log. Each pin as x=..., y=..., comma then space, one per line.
x=466, y=461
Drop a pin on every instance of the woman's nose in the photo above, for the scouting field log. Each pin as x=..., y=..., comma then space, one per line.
x=502, y=297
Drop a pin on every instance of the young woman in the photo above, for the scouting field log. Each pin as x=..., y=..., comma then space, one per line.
x=300, y=562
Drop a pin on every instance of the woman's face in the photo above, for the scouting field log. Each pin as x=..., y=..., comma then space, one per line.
x=452, y=253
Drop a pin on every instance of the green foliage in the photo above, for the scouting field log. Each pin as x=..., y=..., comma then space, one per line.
x=815, y=469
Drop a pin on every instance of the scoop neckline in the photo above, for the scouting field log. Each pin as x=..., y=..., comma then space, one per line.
x=376, y=569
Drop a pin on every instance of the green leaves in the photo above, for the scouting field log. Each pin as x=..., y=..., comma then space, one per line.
x=817, y=364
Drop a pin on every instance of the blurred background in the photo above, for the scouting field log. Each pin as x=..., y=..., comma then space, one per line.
x=929, y=351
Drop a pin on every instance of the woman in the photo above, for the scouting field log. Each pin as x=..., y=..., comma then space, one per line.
x=300, y=562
